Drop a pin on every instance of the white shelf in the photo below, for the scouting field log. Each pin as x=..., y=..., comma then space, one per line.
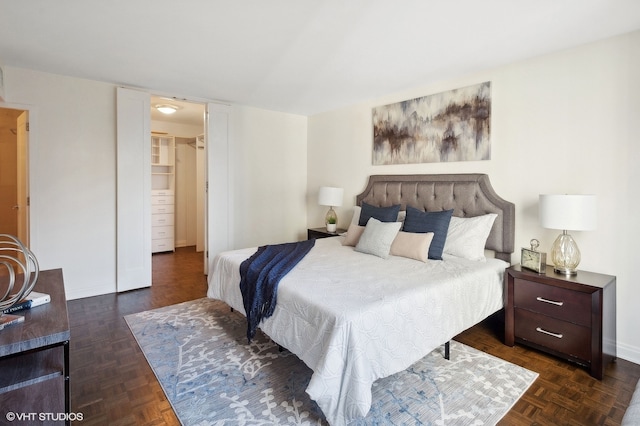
x=163, y=151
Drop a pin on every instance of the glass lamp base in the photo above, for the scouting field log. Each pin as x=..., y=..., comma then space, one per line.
x=565, y=254
x=565, y=271
x=331, y=220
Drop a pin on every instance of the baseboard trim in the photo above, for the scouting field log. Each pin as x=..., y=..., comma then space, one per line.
x=629, y=353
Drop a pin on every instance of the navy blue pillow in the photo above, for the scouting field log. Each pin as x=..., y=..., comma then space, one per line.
x=383, y=214
x=436, y=222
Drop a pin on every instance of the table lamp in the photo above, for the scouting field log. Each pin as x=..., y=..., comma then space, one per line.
x=332, y=197
x=569, y=213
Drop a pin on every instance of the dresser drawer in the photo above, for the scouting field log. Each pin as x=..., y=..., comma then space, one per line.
x=162, y=232
x=162, y=192
x=161, y=208
x=561, y=336
x=561, y=303
x=161, y=199
x=162, y=245
x=162, y=219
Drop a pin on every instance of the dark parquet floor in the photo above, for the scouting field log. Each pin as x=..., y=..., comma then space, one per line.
x=112, y=384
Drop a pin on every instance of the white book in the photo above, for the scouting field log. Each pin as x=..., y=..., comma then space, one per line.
x=31, y=301
x=38, y=299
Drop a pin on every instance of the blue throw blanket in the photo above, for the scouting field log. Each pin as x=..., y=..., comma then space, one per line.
x=260, y=275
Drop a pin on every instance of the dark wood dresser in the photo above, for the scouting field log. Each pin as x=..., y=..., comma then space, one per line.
x=34, y=358
x=572, y=317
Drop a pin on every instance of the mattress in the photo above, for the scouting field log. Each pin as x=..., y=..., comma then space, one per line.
x=354, y=318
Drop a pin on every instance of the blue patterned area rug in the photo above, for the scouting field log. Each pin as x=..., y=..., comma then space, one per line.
x=198, y=350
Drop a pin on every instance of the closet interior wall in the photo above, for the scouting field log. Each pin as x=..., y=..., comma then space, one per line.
x=185, y=193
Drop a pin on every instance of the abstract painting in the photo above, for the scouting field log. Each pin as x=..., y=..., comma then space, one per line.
x=447, y=126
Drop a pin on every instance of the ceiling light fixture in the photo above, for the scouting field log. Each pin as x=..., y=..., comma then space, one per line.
x=166, y=108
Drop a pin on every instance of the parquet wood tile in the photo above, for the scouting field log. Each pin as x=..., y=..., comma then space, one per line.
x=112, y=384
x=564, y=393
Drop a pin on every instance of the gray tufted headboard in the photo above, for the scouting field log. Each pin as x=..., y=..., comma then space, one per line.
x=467, y=194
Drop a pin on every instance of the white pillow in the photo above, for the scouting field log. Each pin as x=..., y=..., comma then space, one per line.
x=467, y=236
x=412, y=245
x=377, y=237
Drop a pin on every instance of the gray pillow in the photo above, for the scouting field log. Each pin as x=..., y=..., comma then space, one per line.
x=377, y=237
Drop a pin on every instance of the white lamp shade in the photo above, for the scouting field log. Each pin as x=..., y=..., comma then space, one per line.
x=330, y=196
x=568, y=212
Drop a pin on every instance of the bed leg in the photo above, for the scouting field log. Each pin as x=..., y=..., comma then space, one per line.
x=280, y=348
x=231, y=309
x=447, y=350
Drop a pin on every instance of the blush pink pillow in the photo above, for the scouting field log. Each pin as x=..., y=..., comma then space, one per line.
x=412, y=245
x=353, y=235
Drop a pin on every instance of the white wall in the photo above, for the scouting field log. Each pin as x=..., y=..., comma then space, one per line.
x=269, y=176
x=73, y=175
x=562, y=123
x=186, y=193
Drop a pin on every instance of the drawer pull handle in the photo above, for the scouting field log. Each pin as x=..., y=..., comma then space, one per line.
x=553, y=302
x=541, y=330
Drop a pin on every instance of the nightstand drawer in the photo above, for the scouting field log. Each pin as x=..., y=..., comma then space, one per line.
x=561, y=303
x=561, y=336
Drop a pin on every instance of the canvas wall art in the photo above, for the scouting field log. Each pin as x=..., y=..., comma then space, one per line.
x=448, y=126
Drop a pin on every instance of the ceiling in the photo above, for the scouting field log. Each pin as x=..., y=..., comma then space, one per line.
x=297, y=56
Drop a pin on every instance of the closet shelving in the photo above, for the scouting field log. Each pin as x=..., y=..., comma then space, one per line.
x=163, y=151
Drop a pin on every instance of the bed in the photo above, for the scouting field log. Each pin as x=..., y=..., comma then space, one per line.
x=354, y=317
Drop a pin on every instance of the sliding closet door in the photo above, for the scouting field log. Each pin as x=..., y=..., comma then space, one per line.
x=219, y=203
x=133, y=190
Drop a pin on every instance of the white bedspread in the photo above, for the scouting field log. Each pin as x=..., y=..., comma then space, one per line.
x=354, y=318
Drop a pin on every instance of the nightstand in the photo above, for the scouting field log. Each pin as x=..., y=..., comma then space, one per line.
x=322, y=233
x=572, y=317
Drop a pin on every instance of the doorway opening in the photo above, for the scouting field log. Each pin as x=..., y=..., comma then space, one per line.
x=178, y=176
x=133, y=188
x=14, y=173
